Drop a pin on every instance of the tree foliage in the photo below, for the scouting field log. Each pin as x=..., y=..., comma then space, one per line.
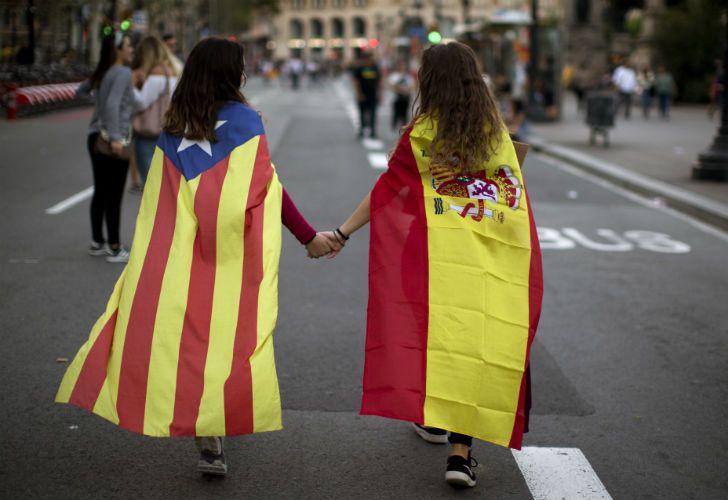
x=234, y=16
x=688, y=39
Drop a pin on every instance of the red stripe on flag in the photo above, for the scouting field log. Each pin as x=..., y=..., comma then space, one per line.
x=535, y=296
x=93, y=373
x=239, y=385
x=131, y=400
x=396, y=343
x=198, y=315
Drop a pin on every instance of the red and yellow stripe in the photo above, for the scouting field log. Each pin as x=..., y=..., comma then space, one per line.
x=184, y=347
x=454, y=301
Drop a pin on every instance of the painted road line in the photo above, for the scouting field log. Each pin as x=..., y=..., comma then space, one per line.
x=373, y=144
x=630, y=195
x=69, y=202
x=378, y=160
x=559, y=473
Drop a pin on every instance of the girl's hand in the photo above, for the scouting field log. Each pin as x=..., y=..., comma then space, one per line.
x=319, y=246
x=336, y=243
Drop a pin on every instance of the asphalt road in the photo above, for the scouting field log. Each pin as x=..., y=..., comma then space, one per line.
x=629, y=363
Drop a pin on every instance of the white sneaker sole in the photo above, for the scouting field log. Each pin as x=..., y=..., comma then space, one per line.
x=430, y=438
x=459, y=479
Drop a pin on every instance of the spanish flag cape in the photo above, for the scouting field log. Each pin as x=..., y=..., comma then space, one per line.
x=455, y=289
x=185, y=346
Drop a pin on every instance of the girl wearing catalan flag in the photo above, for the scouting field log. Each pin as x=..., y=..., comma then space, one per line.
x=455, y=282
x=185, y=346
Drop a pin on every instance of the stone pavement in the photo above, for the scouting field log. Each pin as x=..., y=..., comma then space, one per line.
x=652, y=156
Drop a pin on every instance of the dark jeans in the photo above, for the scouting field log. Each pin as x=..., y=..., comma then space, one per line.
x=368, y=115
x=625, y=99
x=109, y=180
x=400, y=108
x=664, y=100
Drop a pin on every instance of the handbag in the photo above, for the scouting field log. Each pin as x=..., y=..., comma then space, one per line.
x=102, y=146
x=148, y=123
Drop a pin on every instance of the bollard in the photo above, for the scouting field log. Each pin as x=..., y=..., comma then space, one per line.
x=12, y=103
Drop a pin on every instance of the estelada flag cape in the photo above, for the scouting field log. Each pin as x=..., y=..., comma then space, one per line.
x=184, y=347
x=455, y=287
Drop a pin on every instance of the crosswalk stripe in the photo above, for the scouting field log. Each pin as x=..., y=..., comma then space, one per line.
x=559, y=473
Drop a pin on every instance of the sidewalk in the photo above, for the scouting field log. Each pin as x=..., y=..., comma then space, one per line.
x=651, y=156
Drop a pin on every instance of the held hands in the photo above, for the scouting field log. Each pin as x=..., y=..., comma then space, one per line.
x=326, y=243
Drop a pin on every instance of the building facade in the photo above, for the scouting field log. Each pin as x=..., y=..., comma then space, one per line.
x=340, y=29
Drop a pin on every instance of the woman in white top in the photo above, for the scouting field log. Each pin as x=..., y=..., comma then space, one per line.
x=155, y=80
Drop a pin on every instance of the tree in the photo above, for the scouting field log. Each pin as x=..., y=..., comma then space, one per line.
x=234, y=16
x=688, y=39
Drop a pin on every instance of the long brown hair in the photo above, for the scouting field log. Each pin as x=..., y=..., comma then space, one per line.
x=452, y=92
x=110, y=46
x=212, y=76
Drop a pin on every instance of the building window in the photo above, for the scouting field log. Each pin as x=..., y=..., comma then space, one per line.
x=359, y=3
x=337, y=27
x=317, y=28
x=359, y=26
x=319, y=4
x=298, y=4
x=338, y=4
x=296, y=29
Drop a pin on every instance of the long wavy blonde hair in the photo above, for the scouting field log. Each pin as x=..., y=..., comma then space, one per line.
x=453, y=93
x=151, y=53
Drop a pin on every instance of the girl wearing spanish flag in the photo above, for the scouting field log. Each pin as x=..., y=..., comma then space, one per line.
x=184, y=347
x=455, y=281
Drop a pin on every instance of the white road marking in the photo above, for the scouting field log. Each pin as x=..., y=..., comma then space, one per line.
x=378, y=160
x=69, y=202
x=559, y=473
x=372, y=143
x=644, y=201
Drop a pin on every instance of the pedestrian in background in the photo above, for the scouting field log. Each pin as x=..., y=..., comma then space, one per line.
x=295, y=68
x=646, y=89
x=625, y=80
x=198, y=301
x=367, y=89
x=155, y=79
x=402, y=85
x=109, y=142
x=439, y=352
x=664, y=87
x=170, y=42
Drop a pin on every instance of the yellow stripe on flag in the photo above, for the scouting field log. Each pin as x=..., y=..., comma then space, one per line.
x=74, y=369
x=228, y=283
x=266, y=397
x=163, y=359
x=106, y=403
x=478, y=305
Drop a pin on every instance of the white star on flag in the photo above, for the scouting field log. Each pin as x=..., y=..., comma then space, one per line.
x=203, y=145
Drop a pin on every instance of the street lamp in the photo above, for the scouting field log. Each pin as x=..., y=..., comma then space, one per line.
x=712, y=164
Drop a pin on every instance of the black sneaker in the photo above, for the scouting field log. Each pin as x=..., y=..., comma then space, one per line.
x=118, y=254
x=97, y=249
x=431, y=434
x=212, y=456
x=459, y=473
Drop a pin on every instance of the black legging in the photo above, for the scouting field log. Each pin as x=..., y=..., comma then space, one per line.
x=368, y=114
x=109, y=180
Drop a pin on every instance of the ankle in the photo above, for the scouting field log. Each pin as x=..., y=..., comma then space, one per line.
x=460, y=450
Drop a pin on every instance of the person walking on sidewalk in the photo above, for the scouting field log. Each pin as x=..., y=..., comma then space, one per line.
x=184, y=347
x=625, y=79
x=664, y=87
x=402, y=85
x=367, y=89
x=155, y=81
x=455, y=281
x=108, y=142
x=646, y=89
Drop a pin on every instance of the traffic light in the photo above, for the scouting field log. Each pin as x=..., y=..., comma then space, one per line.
x=434, y=37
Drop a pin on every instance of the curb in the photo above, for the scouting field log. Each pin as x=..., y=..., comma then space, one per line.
x=700, y=207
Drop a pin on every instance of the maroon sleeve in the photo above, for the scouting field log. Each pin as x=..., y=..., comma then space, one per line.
x=294, y=221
